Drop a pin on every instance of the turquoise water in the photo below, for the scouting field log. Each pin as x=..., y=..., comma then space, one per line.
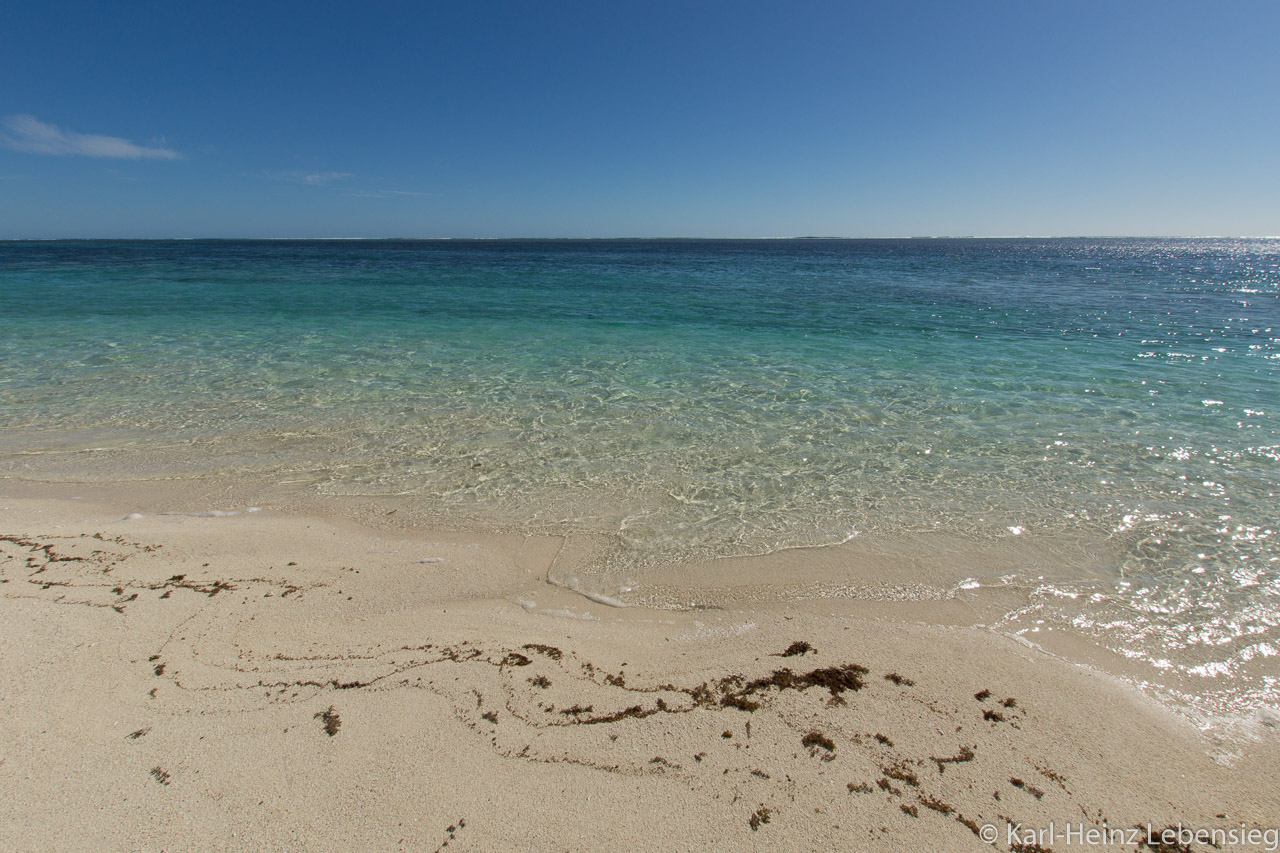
x=694, y=399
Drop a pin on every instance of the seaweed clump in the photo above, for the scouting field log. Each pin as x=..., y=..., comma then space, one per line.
x=966, y=754
x=902, y=774
x=936, y=804
x=815, y=741
x=1030, y=789
x=329, y=720
x=760, y=816
x=835, y=679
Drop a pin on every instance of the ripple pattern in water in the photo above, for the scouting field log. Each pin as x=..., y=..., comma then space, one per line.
x=703, y=398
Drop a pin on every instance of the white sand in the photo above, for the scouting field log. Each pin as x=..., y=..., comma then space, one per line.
x=166, y=680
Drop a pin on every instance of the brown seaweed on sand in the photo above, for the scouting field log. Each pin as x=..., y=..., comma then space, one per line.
x=816, y=741
x=799, y=647
x=330, y=720
x=759, y=817
x=836, y=679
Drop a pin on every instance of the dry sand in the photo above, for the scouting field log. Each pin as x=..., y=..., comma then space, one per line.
x=278, y=681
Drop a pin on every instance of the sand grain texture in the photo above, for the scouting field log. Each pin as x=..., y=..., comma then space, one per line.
x=268, y=682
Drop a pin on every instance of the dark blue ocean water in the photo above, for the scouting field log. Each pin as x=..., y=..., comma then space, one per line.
x=692, y=399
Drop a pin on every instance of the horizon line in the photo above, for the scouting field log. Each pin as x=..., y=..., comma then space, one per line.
x=667, y=238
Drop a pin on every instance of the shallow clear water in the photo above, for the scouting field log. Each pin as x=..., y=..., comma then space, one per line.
x=703, y=398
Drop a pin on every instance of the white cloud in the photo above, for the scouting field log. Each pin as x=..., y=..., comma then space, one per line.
x=28, y=133
x=315, y=179
x=383, y=193
x=318, y=179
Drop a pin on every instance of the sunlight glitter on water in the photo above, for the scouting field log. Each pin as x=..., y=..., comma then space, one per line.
x=697, y=400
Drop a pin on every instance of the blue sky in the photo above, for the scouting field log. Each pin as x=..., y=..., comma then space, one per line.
x=483, y=119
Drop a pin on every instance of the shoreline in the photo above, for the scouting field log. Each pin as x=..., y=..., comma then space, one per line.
x=176, y=677
x=933, y=578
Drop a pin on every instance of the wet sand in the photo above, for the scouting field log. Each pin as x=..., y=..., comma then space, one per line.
x=288, y=680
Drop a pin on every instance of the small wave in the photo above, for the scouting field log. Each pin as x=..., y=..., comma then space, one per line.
x=215, y=513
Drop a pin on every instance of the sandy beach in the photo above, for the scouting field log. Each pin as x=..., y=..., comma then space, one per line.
x=587, y=428
x=183, y=676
